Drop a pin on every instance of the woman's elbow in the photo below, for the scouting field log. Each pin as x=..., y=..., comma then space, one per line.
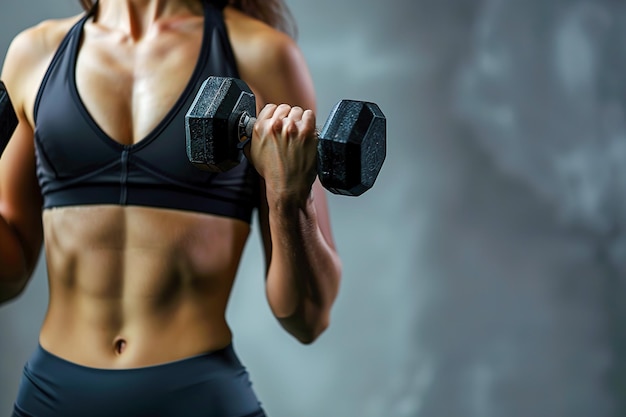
x=12, y=290
x=306, y=329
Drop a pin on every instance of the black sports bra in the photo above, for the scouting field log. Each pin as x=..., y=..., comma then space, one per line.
x=79, y=164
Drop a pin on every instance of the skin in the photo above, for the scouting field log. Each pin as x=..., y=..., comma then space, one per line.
x=137, y=286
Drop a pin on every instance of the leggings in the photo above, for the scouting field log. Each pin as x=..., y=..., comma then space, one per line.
x=214, y=384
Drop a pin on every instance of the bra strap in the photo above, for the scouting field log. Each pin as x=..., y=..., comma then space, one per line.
x=220, y=4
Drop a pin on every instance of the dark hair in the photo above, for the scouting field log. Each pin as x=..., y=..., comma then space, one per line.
x=273, y=12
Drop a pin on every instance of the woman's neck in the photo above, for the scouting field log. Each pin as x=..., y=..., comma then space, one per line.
x=136, y=18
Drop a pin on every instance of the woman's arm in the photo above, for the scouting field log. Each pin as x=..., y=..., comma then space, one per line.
x=21, y=232
x=303, y=267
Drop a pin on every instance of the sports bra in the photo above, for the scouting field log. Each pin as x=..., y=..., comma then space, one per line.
x=79, y=164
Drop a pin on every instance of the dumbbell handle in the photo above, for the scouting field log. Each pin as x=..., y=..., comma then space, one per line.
x=246, y=125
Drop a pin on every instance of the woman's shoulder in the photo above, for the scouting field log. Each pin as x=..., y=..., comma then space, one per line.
x=265, y=56
x=38, y=43
x=257, y=39
x=28, y=56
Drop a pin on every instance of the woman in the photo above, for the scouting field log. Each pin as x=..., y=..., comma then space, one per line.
x=141, y=247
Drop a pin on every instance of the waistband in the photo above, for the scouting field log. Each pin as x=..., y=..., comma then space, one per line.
x=47, y=362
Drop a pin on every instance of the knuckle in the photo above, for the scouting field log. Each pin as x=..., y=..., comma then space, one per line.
x=258, y=130
x=276, y=125
x=291, y=128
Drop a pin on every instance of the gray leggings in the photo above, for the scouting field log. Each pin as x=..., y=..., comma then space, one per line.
x=214, y=384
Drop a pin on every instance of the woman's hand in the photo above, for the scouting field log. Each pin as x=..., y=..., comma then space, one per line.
x=284, y=151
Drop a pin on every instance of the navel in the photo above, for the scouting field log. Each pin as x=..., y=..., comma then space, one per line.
x=120, y=345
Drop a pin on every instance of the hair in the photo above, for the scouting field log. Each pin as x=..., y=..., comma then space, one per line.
x=275, y=13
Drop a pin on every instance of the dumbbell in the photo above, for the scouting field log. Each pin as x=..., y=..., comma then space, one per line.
x=8, y=118
x=351, y=145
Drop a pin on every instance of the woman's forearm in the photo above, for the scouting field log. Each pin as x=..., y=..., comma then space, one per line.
x=13, y=265
x=304, y=271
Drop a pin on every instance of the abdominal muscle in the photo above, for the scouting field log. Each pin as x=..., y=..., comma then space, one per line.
x=138, y=286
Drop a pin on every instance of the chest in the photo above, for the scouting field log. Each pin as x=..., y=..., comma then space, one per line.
x=98, y=140
x=127, y=87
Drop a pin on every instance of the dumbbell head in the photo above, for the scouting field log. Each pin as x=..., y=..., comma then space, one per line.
x=352, y=147
x=212, y=123
x=8, y=119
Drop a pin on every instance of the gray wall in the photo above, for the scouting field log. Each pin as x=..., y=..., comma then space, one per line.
x=485, y=270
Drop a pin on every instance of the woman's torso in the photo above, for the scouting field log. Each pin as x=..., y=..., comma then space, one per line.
x=136, y=285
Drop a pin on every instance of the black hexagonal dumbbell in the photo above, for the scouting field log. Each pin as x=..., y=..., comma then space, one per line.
x=351, y=145
x=8, y=119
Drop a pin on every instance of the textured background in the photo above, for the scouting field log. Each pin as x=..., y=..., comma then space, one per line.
x=484, y=272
